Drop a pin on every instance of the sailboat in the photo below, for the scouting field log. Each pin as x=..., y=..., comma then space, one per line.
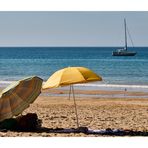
x=124, y=51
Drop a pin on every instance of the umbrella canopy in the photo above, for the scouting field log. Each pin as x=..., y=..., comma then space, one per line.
x=17, y=97
x=71, y=75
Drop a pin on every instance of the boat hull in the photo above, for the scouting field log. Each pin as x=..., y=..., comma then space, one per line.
x=116, y=53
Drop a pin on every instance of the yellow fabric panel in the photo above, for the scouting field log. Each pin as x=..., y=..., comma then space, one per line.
x=54, y=80
x=71, y=76
x=89, y=75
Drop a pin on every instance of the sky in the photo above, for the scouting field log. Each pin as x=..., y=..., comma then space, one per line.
x=72, y=28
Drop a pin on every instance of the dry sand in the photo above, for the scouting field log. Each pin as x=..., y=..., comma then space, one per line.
x=94, y=113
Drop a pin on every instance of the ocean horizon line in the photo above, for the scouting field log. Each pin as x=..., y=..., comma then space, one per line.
x=71, y=46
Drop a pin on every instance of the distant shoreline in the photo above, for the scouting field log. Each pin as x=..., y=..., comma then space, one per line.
x=95, y=90
x=95, y=84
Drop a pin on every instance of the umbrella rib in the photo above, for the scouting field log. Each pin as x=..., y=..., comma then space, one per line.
x=82, y=76
x=61, y=77
x=22, y=105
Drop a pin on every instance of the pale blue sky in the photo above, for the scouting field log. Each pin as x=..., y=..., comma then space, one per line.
x=72, y=28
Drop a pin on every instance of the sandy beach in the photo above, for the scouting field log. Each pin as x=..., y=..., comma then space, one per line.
x=94, y=112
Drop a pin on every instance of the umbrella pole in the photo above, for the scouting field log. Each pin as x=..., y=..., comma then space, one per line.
x=69, y=92
x=75, y=106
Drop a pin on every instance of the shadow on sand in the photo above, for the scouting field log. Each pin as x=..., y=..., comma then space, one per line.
x=85, y=130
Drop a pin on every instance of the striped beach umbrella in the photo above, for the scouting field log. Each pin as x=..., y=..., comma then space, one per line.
x=18, y=96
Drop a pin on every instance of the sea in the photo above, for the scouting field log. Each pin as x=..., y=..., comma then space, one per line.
x=117, y=72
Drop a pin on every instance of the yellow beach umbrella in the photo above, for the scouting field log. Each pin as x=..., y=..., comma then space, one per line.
x=69, y=76
x=17, y=97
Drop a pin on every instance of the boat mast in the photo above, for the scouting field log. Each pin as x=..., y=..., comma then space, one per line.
x=125, y=35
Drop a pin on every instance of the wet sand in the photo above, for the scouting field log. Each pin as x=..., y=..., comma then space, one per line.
x=94, y=113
